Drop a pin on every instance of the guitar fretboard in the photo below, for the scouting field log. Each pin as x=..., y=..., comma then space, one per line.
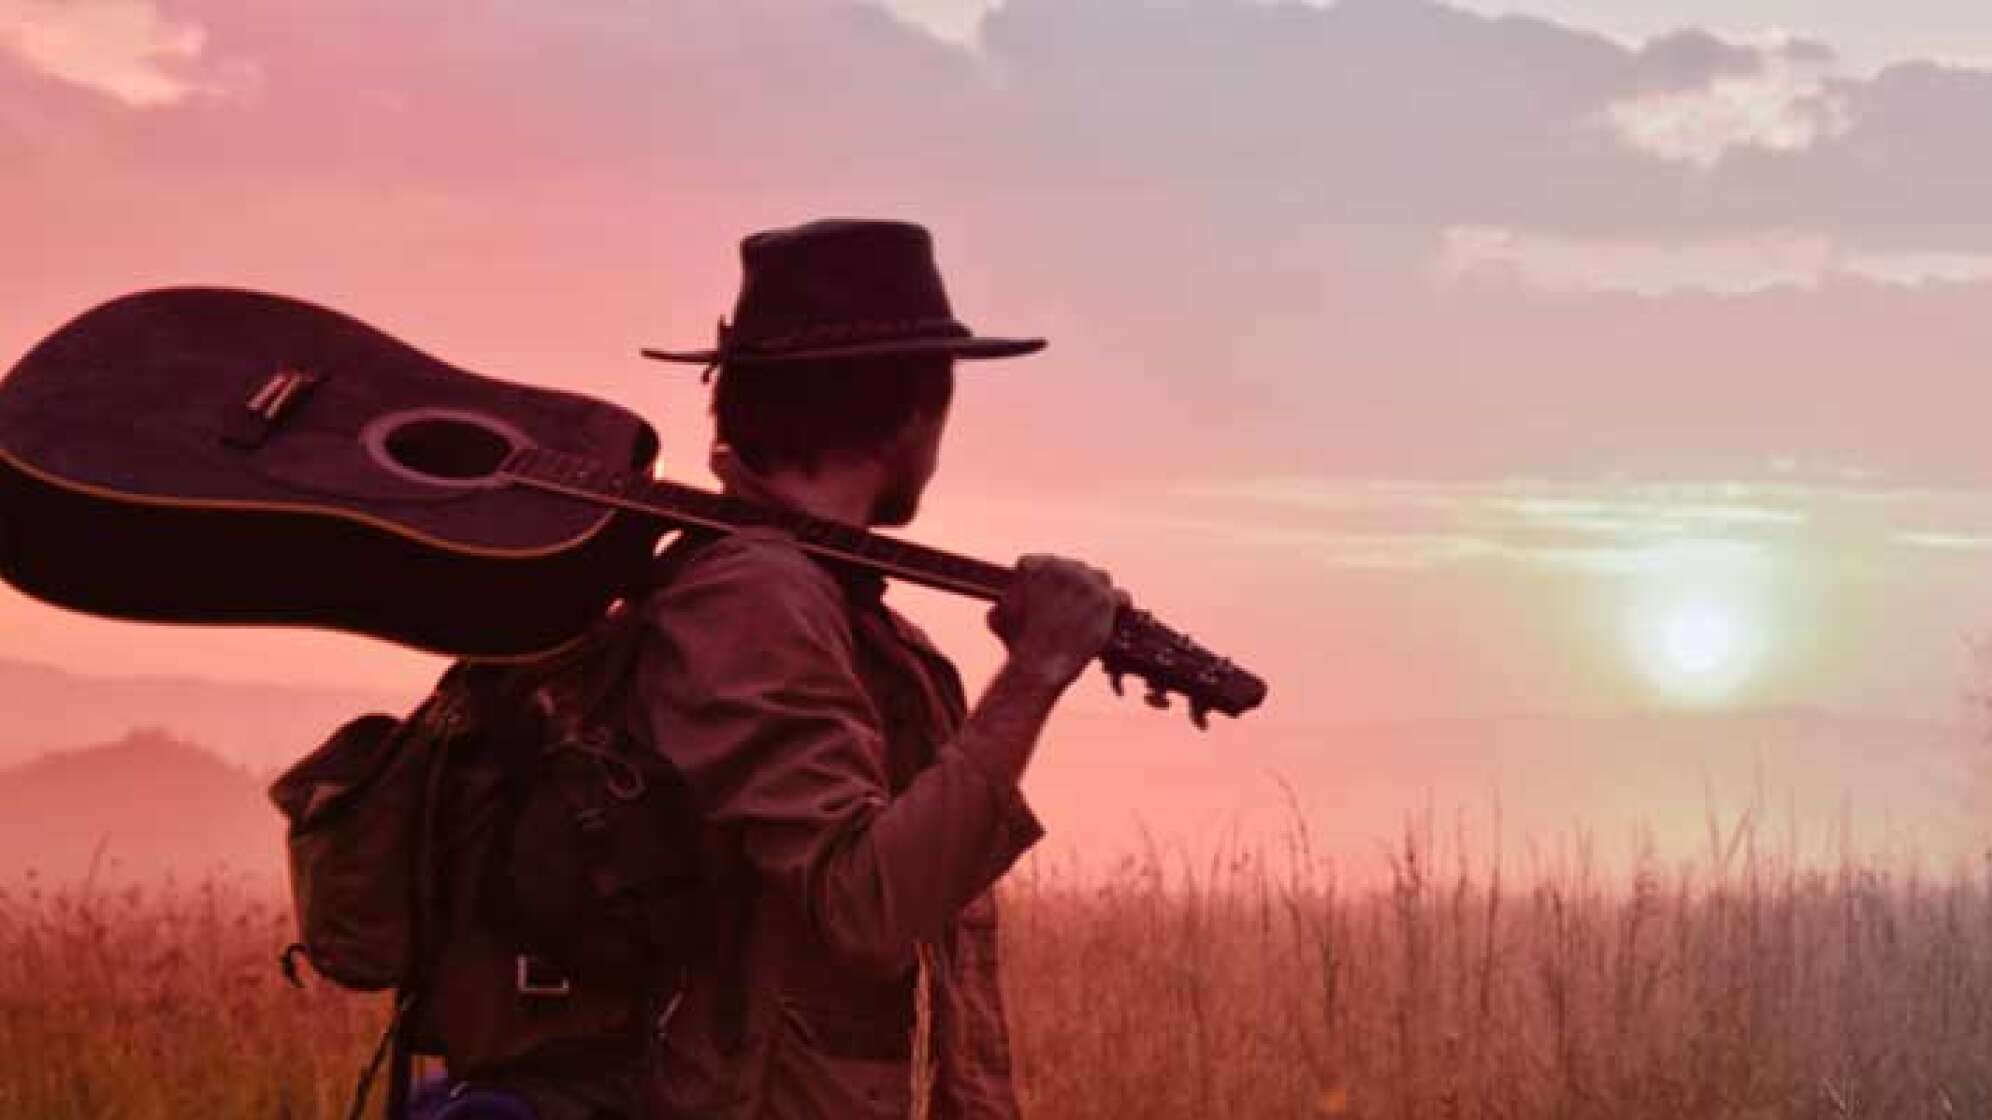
x=582, y=477
x=1139, y=643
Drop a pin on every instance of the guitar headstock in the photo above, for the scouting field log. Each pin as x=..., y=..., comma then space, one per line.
x=1171, y=662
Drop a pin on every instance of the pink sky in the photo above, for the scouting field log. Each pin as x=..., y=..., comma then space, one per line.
x=1431, y=364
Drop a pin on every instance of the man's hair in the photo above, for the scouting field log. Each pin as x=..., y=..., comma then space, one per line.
x=792, y=414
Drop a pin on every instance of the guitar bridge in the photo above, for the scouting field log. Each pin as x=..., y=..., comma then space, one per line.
x=249, y=425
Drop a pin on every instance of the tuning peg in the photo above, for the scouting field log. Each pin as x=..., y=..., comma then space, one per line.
x=1157, y=696
x=1114, y=678
x=1200, y=715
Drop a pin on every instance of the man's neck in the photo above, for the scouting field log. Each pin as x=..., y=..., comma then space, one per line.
x=833, y=494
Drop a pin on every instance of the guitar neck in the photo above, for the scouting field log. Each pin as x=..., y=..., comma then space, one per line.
x=678, y=505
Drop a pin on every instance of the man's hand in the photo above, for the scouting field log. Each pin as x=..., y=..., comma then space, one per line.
x=1056, y=616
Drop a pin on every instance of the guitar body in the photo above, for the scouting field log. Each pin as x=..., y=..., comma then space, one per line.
x=220, y=456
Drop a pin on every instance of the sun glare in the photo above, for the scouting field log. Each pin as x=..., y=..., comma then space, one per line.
x=1699, y=639
x=1697, y=650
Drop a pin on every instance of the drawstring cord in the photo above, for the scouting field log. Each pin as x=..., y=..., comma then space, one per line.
x=725, y=335
x=923, y=1034
x=364, y=1088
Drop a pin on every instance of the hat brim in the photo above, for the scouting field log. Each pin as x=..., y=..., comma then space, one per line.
x=970, y=348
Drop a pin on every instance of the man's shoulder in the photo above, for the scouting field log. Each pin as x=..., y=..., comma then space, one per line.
x=911, y=633
x=750, y=548
x=762, y=562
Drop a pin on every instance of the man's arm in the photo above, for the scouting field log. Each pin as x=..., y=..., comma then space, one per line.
x=1001, y=731
x=1055, y=617
x=747, y=685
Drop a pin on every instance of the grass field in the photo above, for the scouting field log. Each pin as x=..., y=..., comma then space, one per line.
x=1238, y=986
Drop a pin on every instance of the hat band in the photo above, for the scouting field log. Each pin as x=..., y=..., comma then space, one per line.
x=730, y=346
x=846, y=332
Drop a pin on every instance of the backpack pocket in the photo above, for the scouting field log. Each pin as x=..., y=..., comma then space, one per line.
x=354, y=808
x=600, y=869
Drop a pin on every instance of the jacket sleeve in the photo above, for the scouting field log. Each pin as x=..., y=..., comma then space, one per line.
x=746, y=681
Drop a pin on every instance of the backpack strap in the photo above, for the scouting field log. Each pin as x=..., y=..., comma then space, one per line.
x=623, y=631
x=442, y=716
x=608, y=670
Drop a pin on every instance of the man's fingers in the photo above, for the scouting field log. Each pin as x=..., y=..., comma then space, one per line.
x=1064, y=570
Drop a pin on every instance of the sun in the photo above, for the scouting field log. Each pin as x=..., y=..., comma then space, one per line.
x=1699, y=639
x=1696, y=649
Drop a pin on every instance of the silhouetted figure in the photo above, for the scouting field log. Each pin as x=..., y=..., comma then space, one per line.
x=855, y=809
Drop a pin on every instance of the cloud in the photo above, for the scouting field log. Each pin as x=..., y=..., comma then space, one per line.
x=1692, y=57
x=1283, y=117
x=957, y=21
x=1948, y=542
x=1908, y=171
x=1606, y=528
x=1382, y=237
x=1387, y=552
x=1728, y=265
x=1782, y=107
x=126, y=50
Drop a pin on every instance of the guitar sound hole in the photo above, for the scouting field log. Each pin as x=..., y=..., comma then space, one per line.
x=448, y=449
x=453, y=448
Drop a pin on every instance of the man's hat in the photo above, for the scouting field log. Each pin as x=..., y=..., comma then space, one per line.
x=842, y=288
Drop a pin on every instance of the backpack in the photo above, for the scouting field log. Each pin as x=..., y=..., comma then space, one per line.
x=507, y=858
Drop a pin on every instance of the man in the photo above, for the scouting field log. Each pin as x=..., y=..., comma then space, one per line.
x=858, y=809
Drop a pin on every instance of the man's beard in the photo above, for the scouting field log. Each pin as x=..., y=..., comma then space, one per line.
x=895, y=506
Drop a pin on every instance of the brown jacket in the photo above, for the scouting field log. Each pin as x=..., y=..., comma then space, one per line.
x=857, y=844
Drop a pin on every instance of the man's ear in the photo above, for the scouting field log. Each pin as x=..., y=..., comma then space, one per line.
x=896, y=443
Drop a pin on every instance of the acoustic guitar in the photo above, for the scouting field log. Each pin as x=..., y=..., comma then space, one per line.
x=222, y=456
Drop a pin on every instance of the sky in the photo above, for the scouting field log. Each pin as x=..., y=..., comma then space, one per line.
x=1433, y=361
x=1862, y=32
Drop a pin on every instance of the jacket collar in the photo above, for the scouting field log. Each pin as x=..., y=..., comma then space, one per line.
x=862, y=584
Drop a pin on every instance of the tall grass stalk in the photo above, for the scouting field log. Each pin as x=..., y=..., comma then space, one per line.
x=1249, y=982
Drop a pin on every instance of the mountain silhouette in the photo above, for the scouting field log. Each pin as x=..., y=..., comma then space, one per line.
x=265, y=727
x=136, y=809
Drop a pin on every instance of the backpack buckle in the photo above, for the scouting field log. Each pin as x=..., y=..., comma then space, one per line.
x=536, y=979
